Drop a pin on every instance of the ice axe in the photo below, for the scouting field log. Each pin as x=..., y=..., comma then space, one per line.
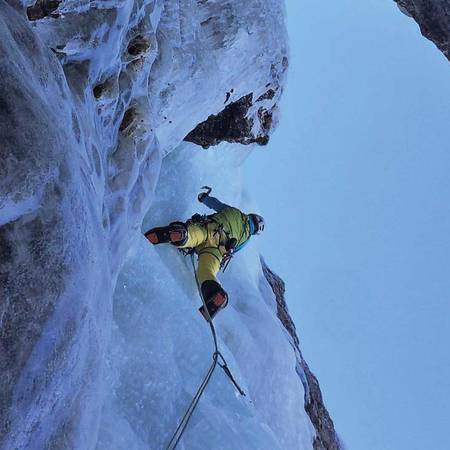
x=202, y=195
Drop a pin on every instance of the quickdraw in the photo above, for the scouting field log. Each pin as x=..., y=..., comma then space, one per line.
x=226, y=260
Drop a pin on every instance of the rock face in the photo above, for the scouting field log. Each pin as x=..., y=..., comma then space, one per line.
x=326, y=437
x=98, y=332
x=49, y=220
x=433, y=17
x=242, y=122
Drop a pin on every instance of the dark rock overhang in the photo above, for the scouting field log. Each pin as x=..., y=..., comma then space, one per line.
x=433, y=18
x=234, y=124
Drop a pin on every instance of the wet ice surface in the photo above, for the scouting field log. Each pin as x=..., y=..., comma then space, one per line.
x=92, y=98
x=162, y=347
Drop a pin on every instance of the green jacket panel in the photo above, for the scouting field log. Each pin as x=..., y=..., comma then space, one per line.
x=227, y=224
x=235, y=224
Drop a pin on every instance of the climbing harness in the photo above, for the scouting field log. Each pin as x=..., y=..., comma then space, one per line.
x=201, y=219
x=222, y=363
x=226, y=260
x=224, y=239
x=186, y=251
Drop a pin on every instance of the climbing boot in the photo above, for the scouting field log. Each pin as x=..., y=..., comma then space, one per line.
x=215, y=298
x=175, y=233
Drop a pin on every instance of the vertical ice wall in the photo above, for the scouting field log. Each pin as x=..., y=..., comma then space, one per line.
x=51, y=244
x=93, y=95
x=162, y=346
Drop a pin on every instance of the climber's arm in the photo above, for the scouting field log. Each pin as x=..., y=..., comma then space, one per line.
x=212, y=202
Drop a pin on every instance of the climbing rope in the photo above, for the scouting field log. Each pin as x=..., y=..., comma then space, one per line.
x=223, y=364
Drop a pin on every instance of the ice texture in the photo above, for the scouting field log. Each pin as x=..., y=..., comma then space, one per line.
x=101, y=344
x=154, y=371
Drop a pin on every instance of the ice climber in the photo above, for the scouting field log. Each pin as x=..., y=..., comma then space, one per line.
x=214, y=238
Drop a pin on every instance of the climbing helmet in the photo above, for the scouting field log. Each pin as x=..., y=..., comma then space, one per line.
x=258, y=223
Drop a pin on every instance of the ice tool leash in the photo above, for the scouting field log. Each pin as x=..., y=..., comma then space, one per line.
x=219, y=359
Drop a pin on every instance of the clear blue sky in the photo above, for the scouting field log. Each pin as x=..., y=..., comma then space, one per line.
x=355, y=186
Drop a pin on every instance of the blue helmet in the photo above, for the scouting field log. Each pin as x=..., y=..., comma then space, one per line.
x=256, y=223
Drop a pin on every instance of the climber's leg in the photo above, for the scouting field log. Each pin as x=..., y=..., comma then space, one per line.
x=214, y=295
x=197, y=234
x=183, y=235
x=175, y=233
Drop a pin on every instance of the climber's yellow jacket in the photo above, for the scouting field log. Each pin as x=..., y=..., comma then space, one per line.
x=209, y=237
